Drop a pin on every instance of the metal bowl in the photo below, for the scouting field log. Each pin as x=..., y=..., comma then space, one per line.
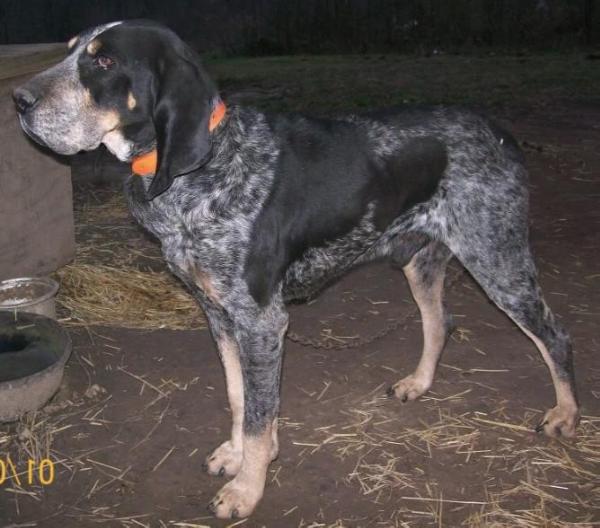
x=29, y=294
x=33, y=353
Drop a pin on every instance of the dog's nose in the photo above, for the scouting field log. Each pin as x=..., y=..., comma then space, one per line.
x=24, y=100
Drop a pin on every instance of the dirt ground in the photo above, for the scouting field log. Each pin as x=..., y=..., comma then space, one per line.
x=140, y=409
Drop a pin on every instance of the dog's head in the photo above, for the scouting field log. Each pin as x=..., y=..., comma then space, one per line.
x=132, y=86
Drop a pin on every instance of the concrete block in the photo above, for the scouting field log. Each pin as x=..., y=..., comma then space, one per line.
x=36, y=208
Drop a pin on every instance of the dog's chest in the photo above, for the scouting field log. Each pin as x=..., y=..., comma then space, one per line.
x=198, y=245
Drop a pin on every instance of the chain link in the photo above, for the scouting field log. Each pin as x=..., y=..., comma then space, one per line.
x=327, y=343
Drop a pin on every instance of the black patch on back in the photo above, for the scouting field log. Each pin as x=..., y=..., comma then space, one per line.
x=325, y=178
x=409, y=177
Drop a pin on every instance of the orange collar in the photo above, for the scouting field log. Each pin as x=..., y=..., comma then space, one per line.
x=145, y=164
x=217, y=115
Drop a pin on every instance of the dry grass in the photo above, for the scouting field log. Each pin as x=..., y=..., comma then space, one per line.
x=118, y=278
x=32, y=438
x=72, y=416
x=523, y=480
x=98, y=294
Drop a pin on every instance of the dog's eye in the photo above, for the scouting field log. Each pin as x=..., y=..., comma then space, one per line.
x=104, y=62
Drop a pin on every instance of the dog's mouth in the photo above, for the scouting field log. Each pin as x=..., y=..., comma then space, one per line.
x=61, y=148
x=25, y=126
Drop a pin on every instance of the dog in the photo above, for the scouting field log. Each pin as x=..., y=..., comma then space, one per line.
x=255, y=210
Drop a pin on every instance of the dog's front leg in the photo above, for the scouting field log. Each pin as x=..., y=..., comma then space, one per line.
x=227, y=458
x=259, y=334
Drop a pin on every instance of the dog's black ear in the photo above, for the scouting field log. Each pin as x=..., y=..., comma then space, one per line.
x=182, y=108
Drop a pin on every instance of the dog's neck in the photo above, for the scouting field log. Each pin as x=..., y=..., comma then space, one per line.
x=146, y=164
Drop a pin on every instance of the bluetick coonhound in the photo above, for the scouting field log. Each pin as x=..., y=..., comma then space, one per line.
x=254, y=210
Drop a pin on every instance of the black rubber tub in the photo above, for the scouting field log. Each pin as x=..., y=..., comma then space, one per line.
x=33, y=353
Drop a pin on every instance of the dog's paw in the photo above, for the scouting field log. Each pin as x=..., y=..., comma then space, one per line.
x=225, y=460
x=237, y=498
x=409, y=388
x=559, y=421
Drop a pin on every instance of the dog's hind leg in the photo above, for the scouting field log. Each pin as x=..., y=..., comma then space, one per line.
x=495, y=250
x=425, y=274
x=516, y=291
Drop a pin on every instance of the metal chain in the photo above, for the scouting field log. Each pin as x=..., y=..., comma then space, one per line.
x=327, y=343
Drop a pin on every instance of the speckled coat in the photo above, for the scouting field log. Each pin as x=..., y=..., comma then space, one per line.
x=266, y=209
